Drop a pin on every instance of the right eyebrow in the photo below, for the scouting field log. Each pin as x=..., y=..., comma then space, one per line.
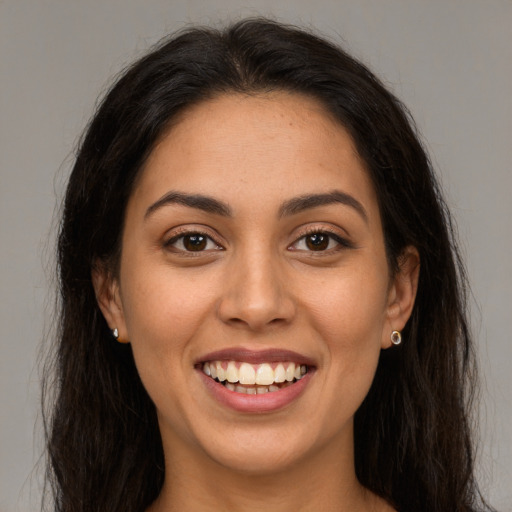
x=199, y=201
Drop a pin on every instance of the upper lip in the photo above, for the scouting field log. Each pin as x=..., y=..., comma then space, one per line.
x=256, y=356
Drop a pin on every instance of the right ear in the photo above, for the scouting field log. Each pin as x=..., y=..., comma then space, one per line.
x=106, y=288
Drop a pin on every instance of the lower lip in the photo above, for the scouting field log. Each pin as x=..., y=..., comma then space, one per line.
x=266, y=402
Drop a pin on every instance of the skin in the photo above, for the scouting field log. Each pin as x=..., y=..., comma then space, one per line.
x=257, y=285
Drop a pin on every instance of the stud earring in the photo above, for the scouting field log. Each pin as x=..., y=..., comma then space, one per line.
x=115, y=334
x=396, y=337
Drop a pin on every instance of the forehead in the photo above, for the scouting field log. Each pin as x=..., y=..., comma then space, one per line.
x=236, y=146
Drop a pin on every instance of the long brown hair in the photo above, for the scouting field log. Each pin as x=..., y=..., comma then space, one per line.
x=413, y=443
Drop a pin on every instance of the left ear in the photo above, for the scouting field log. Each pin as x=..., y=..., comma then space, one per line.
x=402, y=293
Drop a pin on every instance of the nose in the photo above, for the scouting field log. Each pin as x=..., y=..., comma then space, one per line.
x=255, y=294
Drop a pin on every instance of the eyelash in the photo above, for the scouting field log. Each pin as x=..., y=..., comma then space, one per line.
x=195, y=232
x=342, y=243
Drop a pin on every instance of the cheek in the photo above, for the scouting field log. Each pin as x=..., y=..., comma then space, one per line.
x=164, y=313
x=165, y=303
x=352, y=321
x=349, y=316
x=351, y=306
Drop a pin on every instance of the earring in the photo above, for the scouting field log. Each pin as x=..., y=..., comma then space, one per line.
x=115, y=334
x=396, y=337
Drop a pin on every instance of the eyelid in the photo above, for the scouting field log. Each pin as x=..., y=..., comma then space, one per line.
x=178, y=232
x=343, y=241
x=182, y=231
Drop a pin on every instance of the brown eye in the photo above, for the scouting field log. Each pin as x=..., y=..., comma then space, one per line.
x=317, y=241
x=321, y=241
x=192, y=242
x=195, y=242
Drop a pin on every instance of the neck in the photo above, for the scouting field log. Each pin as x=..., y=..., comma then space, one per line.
x=323, y=481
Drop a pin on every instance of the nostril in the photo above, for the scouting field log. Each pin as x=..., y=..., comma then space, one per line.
x=236, y=321
x=256, y=324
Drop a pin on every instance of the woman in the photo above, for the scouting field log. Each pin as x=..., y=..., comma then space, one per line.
x=244, y=321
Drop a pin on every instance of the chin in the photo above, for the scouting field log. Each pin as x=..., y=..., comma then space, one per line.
x=257, y=462
x=263, y=450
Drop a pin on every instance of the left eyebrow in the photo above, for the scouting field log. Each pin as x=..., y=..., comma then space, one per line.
x=306, y=202
x=205, y=203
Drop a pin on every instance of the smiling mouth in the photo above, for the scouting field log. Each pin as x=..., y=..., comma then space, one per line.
x=254, y=379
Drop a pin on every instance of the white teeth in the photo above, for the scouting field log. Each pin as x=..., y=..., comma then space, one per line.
x=290, y=371
x=250, y=375
x=264, y=375
x=259, y=390
x=246, y=374
x=221, y=373
x=279, y=373
x=232, y=372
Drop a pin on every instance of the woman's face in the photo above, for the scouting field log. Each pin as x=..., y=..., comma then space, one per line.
x=253, y=243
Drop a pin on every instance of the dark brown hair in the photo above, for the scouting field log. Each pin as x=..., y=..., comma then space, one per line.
x=413, y=442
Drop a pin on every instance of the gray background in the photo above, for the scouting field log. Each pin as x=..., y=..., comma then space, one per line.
x=449, y=60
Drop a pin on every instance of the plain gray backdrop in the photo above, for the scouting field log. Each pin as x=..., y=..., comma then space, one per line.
x=449, y=60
